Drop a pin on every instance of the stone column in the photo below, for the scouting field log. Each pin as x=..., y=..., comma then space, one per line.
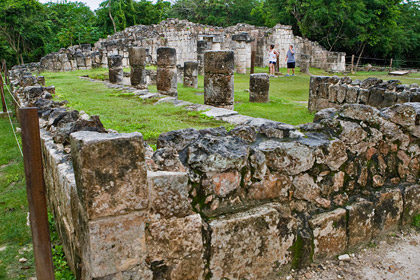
x=241, y=51
x=201, y=48
x=218, y=78
x=137, y=57
x=304, y=63
x=259, y=86
x=190, y=74
x=115, y=69
x=166, y=79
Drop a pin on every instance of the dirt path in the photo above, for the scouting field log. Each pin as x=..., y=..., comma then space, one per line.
x=397, y=257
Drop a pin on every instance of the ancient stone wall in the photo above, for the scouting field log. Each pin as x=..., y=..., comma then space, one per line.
x=211, y=204
x=333, y=92
x=184, y=36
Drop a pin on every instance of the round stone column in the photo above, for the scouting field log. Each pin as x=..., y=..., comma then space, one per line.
x=191, y=74
x=259, y=86
x=166, y=78
x=115, y=69
x=218, y=78
x=201, y=48
x=137, y=57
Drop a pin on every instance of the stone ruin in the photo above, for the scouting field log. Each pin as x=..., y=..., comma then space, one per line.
x=333, y=92
x=249, y=203
x=190, y=41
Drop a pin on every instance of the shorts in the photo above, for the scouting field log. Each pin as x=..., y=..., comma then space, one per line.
x=272, y=62
x=291, y=65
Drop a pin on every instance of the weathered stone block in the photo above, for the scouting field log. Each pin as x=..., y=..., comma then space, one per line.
x=287, y=157
x=168, y=193
x=137, y=56
x=175, y=248
x=259, y=86
x=166, y=81
x=388, y=209
x=376, y=97
x=191, y=74
x=116, y=245
x=360, y=223
x=178, y=139
x=116, y=76
x=110, y=172
x=412, y=204
x=218, y=90
x=329, y=231
x=251, y=245
x=166, y=57
x=341, y=93
x=138, y=77
x=219, y=62
x=352, y=95
x=115, y=61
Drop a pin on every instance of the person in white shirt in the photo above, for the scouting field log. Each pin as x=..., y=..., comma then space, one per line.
x=273, y=54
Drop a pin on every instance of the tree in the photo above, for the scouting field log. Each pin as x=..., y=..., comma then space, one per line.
x=24, y=27
x=71, y=23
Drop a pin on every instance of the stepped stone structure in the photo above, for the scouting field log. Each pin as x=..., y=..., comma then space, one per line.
x=190, y=41
x=116, y=71
x=191, y=74
x=138, y=75
x=218, y=79
x=249, y=203
x=166, y=78
x=333, y=92
x=259, y=87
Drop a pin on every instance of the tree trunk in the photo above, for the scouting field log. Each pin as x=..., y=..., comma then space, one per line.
x=21, y=59
x=110, y=16
x=360, y=55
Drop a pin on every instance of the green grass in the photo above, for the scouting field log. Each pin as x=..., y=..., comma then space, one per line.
x=15, y=235
x=288, y=95
x=121, y=111
x=416, y=221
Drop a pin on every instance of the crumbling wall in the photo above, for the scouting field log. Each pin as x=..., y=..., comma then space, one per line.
x=333, y=92
x=211, y=204
x=184, y=36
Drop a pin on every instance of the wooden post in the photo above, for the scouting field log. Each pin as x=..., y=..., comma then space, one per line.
x=352, y=64
x=35, y=190
x=3, y=100
x=4, y=67
x=390, y=65
x=252, y=61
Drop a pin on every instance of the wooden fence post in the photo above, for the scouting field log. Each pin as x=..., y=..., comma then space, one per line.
x=35, y=189
x=352, y=64
x=3, y=100
x=390, y=65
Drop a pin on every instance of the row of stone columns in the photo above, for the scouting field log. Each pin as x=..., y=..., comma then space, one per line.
x=218, y=75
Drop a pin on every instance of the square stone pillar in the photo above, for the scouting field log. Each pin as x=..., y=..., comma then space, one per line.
x=166, y=79
x=137, y=58
x=115, y=69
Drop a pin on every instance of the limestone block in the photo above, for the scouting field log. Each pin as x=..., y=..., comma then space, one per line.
x=191, y=74
x=219, y=62
x=412, y=205
x=291, y=158
x=329, y=232
x=178, y=139
x=259, y=86
x=166, y=81
x=216, y=154
x=137, y=56
x=251, y=245
x=376, y=97
x=341, y=94
x=176, y=248
x=219, y=90
x=110, y=172
x=360, y=223
x=116, y=245
x=168, y=193
x=166, y=57
x=352, y=95
x=138, y=77
x=388, y=209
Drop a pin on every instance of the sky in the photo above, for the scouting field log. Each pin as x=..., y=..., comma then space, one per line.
x=93, y=4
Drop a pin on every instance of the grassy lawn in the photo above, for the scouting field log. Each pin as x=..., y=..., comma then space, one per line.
x=124, y=112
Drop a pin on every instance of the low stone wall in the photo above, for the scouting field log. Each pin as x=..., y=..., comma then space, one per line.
x=333, y=92
x=190, y=40
x=211, y=204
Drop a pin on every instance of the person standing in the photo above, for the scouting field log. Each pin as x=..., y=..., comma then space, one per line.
x=273, y=54
x=291, y=62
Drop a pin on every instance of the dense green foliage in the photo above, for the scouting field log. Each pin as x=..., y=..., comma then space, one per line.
x=367, y=28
